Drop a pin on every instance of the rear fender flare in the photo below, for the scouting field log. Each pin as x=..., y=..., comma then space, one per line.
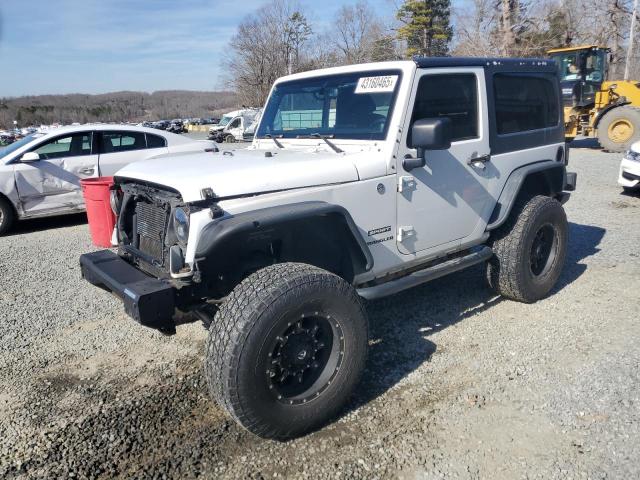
x=554, y=175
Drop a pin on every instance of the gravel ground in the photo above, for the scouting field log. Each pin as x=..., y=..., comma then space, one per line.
x=460, y=383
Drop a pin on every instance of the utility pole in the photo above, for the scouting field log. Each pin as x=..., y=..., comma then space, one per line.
x=634, y=14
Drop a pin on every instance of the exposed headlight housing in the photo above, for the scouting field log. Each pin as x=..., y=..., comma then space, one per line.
x=115, y=202
x=181, y=224
x=631, y=155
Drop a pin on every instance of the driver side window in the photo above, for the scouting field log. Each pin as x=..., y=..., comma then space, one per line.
x=67, y=146
x=235, y=123
x=449, y=95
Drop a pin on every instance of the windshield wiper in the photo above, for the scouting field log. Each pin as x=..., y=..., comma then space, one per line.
x=328, y=142
x=275, y=140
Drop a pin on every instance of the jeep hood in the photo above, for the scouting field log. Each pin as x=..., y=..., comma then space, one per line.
x=243, y=173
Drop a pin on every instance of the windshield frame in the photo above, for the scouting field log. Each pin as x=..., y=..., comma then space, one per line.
x=335, y=136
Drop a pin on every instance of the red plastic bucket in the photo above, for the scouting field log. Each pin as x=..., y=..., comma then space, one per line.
x=96, y=192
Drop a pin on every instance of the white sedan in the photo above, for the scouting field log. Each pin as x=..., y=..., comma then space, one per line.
x=40, y=174
x=629, y=176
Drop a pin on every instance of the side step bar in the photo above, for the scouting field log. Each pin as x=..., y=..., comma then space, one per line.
x=426, y=275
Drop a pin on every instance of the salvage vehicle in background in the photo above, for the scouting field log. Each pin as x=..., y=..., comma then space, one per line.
x=240, y=129
x=40, y=174
x=608, y=110
x=232, y=125
x=361, y=181
x=176, y=126
x=629, y=177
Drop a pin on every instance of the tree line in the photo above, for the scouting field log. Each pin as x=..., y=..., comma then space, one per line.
x=112, y=107
x=280, y=38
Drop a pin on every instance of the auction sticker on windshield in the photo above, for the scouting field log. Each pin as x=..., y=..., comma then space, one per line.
x=383, y=83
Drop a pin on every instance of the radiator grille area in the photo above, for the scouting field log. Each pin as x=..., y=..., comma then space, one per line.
x=151, y=226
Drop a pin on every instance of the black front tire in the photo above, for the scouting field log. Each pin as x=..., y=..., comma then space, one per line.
x=286, y=349
x=529, y=250
x=7, y=216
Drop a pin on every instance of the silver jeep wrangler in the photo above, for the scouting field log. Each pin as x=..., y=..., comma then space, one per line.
x=361, y=181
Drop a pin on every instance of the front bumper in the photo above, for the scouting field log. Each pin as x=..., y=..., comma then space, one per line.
x=148, y=300
x=629, y=175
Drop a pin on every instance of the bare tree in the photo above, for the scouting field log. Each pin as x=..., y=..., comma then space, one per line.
x=475, y=20
x=267, y=45
x=356, y=30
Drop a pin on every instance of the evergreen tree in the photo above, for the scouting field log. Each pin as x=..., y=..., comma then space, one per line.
x=426, y=27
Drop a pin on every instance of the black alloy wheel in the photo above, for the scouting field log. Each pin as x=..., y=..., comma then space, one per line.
x=305, y=358
x=543, y=249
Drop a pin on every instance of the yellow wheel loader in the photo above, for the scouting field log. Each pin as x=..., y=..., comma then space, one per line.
x=593, y=106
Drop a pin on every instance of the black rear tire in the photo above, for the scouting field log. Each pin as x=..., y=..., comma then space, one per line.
x=286, y=349
x=529, y=250
x=7, y=216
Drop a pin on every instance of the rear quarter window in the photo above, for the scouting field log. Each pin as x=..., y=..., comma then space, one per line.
x=524, y=102
x=155, y=141
x=117, y=141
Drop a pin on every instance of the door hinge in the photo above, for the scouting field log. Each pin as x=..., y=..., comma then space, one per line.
x=406, y=182
x=405, y=231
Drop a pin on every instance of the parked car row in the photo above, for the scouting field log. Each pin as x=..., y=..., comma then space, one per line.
x=173, y=126
x=40, y=174
x=202, y=121
x=7, y=137
x=178, y=125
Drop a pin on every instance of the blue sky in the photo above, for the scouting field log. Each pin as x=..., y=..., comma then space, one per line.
x=95, y=46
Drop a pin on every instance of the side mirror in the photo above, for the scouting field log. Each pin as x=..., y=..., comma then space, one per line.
x=428, y=134
x=30, y=157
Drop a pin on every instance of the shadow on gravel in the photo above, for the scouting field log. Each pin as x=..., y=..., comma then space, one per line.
x=585, y=143
x=48, y=223
x=401, y=324
x=583, y=242
x=630, y=193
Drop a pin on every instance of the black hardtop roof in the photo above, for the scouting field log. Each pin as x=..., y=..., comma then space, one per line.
x=495, y=63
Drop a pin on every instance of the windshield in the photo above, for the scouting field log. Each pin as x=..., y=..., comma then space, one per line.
x=16, y=145
x=224, y=120
x=574, y=64
x=355, y=106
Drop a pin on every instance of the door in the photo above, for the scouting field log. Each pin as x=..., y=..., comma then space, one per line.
x=235, y=128
x=52, y=183
x=446, y=202
x=121, y=147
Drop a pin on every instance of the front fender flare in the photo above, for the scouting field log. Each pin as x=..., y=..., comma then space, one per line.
x=217, y=235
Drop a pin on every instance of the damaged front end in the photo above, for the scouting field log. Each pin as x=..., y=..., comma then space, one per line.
x=149, y=273
x=152, y=229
